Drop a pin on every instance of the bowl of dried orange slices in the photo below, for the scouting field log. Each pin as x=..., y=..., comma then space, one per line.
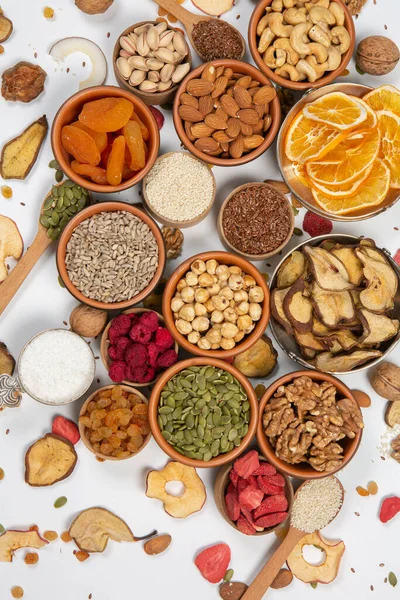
x=339, y=150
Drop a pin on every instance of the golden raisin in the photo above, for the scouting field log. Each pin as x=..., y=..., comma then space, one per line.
x=31, y=558
x=6, y=190
x=33, y=528
x=66, y=537
x=48, y=12
x=1, y=474
x=82, y=556
x=17, y=591
x=50, y=536
x=362, y=491
x=372, y=488
x=1, y=49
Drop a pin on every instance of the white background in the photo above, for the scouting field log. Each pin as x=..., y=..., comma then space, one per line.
x=125, y=571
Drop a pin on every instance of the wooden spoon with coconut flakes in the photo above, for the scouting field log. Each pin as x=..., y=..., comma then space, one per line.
x=189, y=20
x=266, y=576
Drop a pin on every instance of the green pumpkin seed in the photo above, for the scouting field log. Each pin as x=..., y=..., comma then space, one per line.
x=165, y=410
x=170, y=402
x=207, y=456
x=49, y=232
x=190, y=420
x=81, y=203
x=198, y=443
x=77, y=192
x=232, y=434
x=224, y=442
x=160, y=422
x=60, y=502
x=44, y=220
x=166, y=435
x=53, y=164
x=69, y=184
x=54, y=191
x=48, y=203
x=59, y=176
x=216, y=418
x=55, y=234
x=228, y=575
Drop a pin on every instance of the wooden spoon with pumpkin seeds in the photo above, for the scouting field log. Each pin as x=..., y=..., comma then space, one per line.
x=57, y=209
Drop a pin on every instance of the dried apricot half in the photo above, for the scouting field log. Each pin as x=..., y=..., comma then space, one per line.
x=116, y=161
x=100, y=138
x=80, y=145
x=96, y=174
x=134, y=140
x=106, y=114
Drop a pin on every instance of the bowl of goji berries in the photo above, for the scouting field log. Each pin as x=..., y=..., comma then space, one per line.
x=136, y=347
x=105, y=139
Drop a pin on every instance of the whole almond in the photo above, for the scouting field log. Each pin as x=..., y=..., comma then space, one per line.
x=229, y=105
x=363, y=400
x=206, y=105
x=264, y=94
x=157, y=544
x=246, y=129
x=199, y=87
x=281, y=187
x=267, y=122
x=258, y=127
x=282, y=580
x=221, y=137
x=209, y=73
x=165, y=55
x=242, y=97
x=189, y=100
x=166, y=38
x=189, y=113
x=180, y=43
x=153, y=38
x=188, y=130
x=221, y=113
x=202, y=130
x=219, y=86
x=252, y=141
x=260, y=109
x=215, y=122
x=236, y=148
x=228, y=72
x=232, y=590
x=244, y=81
x=207, y=145
x=254, y=84
x=248, y=115
x=166, y=72
x=219, y=71
x=225, y=147
x=233, y=128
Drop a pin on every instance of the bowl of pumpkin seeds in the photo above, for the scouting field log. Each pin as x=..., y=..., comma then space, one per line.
x=63, y=202
x=203, y=412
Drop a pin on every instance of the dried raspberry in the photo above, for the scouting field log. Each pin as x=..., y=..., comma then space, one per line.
x=118, y=371
x=140, y=333
x=150, y=375
x=153, y=351
x=150, y=319
x=315, y=225
x=122, y=323
x=136, y=355
x=134, y=318
x=244, y=526
x=396, y=257
x=271, y=520
x=112, y=352
x=167, y=359
x=164, y=339
x=141, y=374
x=121, y=345
x=113, y=335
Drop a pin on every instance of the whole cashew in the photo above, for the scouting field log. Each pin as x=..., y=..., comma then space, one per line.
x=304, y=67
x=292, y=57
x=323, y=3
x=318, y=35
x=337, y=12
x=277, y=27
x=277, y=5
x=341, y=36
x=319, y=51
x=265, y=40
x=289, y=3
x=299, y=40
x=294, y=16
x=288, y=72
x=334, y=58
x=318, y=68
x=262, y=24
x=274, y=57
x=319, y=13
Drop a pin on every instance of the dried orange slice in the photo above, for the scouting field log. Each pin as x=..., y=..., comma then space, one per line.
x=389, y=127
x=308, y=140
x=372, y=192
x=372, y=120
x=348, y=160
x=386, y=97
x=301, y=173
x=337, y=110
x=343, y=190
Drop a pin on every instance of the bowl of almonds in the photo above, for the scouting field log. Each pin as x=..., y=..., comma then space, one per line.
x=226, y=113
x=150, y=60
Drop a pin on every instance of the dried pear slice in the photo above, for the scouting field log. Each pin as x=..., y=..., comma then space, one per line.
x=277, y=298
x=382, y=283
x=49, y=460
x=374, y=254
x=297, y=308
x=19, y=155
x=329, y=272
x=319, y=329
x=377, y=328
x=329, y=363
x=353, y=264
x=308, y=353
x=368, y=242
x=309, y=341
x=292, y=268
x=93, y=527
x=341, y=339
x=332, y=307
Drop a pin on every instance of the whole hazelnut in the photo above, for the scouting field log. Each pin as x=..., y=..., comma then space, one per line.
x=377, y=55
x=87, y=321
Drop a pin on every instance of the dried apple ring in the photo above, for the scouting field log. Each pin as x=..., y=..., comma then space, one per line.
x=323, y=573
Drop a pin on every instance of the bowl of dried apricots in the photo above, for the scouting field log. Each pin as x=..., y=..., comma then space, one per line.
x=105, y=139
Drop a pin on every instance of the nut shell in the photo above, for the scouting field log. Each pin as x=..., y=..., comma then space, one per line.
x=377, y=55
x=87, y=321
x=385, y=379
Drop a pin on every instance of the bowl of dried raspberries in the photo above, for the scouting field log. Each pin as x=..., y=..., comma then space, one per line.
x=113, y=422
x=136, y=347
x=310, y=425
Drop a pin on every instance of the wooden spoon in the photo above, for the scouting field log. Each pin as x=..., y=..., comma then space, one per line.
x=266, y=576
x=15, y=279
x=189, y=20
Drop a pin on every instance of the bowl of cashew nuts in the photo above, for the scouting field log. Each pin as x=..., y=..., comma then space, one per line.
x=301, y=44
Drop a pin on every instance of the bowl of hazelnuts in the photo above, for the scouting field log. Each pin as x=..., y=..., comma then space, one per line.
x=216, y=304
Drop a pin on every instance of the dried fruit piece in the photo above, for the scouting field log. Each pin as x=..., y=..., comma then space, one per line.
x=291, y=269
x=116, y=160
x=213, y=562
x=259, y=361
x=298, y=308
x=282, y=580
x=389, y=509
x=382, y=282
x=362, y=491
x=377, y=328
x=19, y=154
x=315, y=225
x=66, y=429
x=66, y=538
x=331, y=363
x=31, y=558
x=392, y=414
x=13, y=540
x=323, y=573
x=232, y=590
x=157, y=544
x=17, y=591
x=181, y=507
x=49, y=460
x=6, y=27
x=372, y=488
x=81, y=555
x=106, y=114
x=329, y=272
x=50, y=536
x=363, y=400
x=247, y=464
x=100, y=138
x=7, y=362
x=96, y=174
x=80, y=144
x=23, y=82
x=159, y=117
x=134, y=140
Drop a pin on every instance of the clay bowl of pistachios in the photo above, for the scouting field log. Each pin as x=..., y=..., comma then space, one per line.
x=150, y=60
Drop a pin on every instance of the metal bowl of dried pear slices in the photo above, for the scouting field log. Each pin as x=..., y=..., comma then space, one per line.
x=335, y=304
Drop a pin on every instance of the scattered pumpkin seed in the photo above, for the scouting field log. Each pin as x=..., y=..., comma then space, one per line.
x=1, y=529
x=53, y=164
x=314, y=584
x=297, y=231
x=228, y=575
x=60, y=502
x=59, y=175
x=392, y=579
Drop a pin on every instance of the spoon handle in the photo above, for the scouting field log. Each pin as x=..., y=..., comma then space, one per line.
x=23, y=267
x=266, y=576
x=187, y=18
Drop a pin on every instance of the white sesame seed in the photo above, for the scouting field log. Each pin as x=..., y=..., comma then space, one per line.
x=316, y=504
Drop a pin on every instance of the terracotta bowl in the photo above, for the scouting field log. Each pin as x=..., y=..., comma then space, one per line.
x=82, y=428
x=221, y=459
x=223, y=258
x=178, y=224
x=275, y=112
x=259, y=12
x=220, y=486
x=69, y=111
x=154, y=99
x=232, y=248
x=88, y=212
x=304, y=470
x=104, y=344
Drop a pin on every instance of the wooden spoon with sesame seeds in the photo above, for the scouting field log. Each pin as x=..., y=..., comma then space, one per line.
x=266, y=576
x=189, y=20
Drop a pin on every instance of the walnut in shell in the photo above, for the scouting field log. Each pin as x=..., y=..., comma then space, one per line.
x=385, y=379
x=87, y=321
x=377, y=55
x=23, y=82
x=93, y=7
